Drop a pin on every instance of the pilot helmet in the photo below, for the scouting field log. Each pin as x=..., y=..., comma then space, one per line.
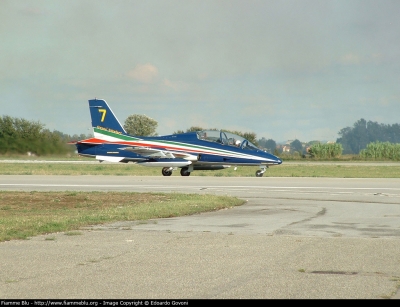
x=237, y=143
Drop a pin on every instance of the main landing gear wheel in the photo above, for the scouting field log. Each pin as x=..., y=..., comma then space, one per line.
x=166, y=171
x=184, y=171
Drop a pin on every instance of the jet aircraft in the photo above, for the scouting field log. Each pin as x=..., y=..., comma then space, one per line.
x=200, y=150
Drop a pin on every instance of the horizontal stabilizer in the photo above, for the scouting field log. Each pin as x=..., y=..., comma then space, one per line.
x=91, y=141
x=109, y=159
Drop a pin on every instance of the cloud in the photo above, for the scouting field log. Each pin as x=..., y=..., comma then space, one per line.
x=350, y=59
x=176, y=86
x=33, y=11
x=145, y=73
x=355, y=59
x=389, y=100
x=171, y=84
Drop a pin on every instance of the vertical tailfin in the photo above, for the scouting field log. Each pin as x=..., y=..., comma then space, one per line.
x=103, y=117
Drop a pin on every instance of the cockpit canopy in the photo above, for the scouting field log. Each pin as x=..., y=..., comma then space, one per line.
x=226, y=138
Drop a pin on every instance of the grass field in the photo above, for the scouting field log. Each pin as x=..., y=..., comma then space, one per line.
x=26, y=214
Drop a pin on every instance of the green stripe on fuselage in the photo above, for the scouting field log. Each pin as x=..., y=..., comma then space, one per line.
x=115, y=135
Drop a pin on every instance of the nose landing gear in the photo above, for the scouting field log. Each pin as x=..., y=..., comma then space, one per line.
x=261, y=171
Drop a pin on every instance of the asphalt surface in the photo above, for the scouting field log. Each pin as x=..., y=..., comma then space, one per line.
x=303, y=238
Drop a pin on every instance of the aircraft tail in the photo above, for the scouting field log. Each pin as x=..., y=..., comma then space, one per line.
x=103, y=117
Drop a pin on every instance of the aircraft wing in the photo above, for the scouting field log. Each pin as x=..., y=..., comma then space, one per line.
x=149, y=152
x=158, y=153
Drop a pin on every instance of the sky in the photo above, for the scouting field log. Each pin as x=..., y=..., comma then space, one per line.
x=282, y=69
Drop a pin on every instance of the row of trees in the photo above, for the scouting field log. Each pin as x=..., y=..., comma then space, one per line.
x=356, y=138
x=366, y=138
x=369, y=139
x=20, y=136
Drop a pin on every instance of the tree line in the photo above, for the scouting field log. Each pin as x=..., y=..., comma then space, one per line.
x=355, y=139
x=366, y=138
x=20, y=136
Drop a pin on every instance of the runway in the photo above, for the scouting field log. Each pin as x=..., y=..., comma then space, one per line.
x=294, y=238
